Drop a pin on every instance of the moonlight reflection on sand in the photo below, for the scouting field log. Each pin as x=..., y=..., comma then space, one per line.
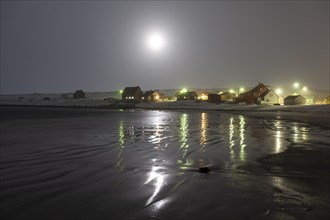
x=142, y=164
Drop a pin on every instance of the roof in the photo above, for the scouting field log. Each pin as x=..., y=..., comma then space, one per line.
x=148, y=93
x=254, y=88
x=131, y=90
x=292, y=97
x=266, y=92
x=190, y=93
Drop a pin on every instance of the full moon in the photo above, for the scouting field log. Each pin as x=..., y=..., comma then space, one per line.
x=156, y=41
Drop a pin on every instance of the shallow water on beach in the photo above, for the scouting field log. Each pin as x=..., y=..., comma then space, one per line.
x=101, y=164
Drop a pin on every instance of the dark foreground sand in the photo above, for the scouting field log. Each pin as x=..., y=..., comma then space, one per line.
x=103, y=164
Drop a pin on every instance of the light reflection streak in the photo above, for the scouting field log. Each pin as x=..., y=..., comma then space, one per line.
x=155, y=207
x=121, y=140
x=184, y=133
x=231, y=135
x=295, y=133
x=131, y=133
x=278, y=137
x=242, y=137
x=299, y=134
x=156, y=137
x=158, y=179
x=203, y=130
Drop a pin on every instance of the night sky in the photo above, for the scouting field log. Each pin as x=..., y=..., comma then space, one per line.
x=61, y=46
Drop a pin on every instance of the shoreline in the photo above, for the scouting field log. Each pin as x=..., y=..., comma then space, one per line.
x=306, y=114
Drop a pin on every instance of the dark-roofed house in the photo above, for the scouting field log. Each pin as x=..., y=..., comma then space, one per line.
x=227, y=96
x=132, y=94
x=270, y=97
x=190, y=95
x=252, y=96
x=153, y=96
x=294, y=100
x=79, y=94
x=214, y=98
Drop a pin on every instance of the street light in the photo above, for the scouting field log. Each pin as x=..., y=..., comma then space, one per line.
x=241, y=89
x=297, y=86
x=278, y=91
x=184, y=90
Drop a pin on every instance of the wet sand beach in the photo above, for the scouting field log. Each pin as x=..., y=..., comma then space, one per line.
x=58, y=163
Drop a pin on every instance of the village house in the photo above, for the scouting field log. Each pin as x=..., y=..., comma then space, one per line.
x=79, y=94
x=270, y=97
x=309, y=99
x=252, y=96
x=327, y=100
x=227, y=97
x=294, y=100
x=214, y=98
x=153, y=96
x=134, y=94
x=203, y=96
x=319, y=100
x=190, y=95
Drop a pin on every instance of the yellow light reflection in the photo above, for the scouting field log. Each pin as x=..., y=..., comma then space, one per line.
x=278, y=137
x=299, y=135
x=295, y=134
x=158, y=181
x=242, y=137
x=184, y=131
x=203, y=129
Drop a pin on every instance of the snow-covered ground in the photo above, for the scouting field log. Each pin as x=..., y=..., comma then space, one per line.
x=233, y=107
x=94, y=99
x=101, y=99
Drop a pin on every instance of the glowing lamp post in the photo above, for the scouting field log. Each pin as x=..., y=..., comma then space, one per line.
x=297, y=86
x=278, y=91
x=299, y=89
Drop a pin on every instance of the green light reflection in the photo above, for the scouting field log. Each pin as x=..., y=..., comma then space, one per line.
x=184, y=133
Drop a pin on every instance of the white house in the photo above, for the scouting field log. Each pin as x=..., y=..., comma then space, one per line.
x=309, y=99
x=270, y=97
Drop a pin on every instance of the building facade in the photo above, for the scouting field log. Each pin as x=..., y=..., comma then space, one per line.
x=270, y=98
x=132, y=94
x=191, y=95
x=294, y=100
x=252, y=96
